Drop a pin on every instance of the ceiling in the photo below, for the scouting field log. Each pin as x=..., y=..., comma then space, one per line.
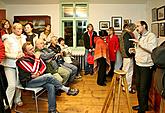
x=90, y=1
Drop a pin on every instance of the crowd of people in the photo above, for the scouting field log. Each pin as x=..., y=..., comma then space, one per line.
x=44, y=60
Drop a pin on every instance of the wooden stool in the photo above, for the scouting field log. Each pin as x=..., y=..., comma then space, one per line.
x=120, y=75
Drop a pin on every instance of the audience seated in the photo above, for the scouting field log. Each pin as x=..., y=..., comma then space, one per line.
x=31, y=74
x=49, y=56
x=67, y=55
x=70, y=67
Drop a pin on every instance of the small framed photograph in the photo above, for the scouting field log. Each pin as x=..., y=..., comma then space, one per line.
x=161, y=13
x=117, y=23
x=161, y=29
x=155, y=29
x=127, y=21
x=154, y=14
x=104, y=25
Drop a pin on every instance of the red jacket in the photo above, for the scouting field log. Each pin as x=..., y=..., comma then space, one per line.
x=113, y=46
x=2, y=51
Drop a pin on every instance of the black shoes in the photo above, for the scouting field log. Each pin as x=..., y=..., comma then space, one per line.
x=136, y=107
x=73, y=92
x=53, y=111
x=86, y=73
x=101, y=84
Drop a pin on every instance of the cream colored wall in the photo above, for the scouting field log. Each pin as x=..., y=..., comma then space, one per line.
x=97, y=12
x=154, y=4
x=2, y=5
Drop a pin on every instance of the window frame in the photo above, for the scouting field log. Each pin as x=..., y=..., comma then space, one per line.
x=74, y=19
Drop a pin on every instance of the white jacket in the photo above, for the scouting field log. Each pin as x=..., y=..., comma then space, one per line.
x=12, y=48
x=149, y=42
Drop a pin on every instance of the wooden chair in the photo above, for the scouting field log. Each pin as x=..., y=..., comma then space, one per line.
x=121, y=76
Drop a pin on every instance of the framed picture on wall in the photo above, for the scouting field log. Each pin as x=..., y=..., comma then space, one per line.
x=104, y=25
x=162, y=29
x=155, y=29
x=161, y=13
x=154, y=14
x=117, y=23
x=127, y=21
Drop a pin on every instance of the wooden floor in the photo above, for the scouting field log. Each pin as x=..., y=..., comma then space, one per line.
x=89, y=100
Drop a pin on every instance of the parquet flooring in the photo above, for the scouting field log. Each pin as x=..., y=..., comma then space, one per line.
x=89, y=100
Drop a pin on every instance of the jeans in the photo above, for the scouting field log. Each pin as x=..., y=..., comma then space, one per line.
x=87, y=69
x=51, y=84
x=73, y=70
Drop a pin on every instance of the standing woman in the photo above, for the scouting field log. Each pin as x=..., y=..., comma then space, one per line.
x=46, y=35
x=6, y=27
x=13, y=51
x=101, y=58
x=113, y=47
x=89, y=44
x=31, y=37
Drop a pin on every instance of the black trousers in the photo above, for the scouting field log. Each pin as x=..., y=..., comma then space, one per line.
x=3, y=87
x=143, y=83
x=111, y=72
x=102, y=71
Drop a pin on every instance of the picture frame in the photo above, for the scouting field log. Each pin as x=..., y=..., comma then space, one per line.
x=161, y=13
x=155, y=29
x=104, y=25
x=154, y=14
x=127, y=21
x=161, y=29
x=117, y=23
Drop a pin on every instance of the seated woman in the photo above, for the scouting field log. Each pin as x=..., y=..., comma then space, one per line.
x=67, y=55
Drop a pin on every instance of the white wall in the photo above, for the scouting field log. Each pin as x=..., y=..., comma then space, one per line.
x=99, y=12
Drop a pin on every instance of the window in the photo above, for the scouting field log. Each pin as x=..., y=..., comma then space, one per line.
x=74, y=21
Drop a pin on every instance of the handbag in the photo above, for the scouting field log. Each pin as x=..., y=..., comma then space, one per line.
x=90, y=58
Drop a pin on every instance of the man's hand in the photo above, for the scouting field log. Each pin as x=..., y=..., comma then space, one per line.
x=35, y=75
x=37, y=54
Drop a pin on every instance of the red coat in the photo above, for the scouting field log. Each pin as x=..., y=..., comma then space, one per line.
x=2, y=51
x=113, y=46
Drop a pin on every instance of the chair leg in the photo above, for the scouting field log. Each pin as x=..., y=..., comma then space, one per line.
x=36, y=103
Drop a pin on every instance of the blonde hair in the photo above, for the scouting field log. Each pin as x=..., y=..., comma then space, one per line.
x=16, y=25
